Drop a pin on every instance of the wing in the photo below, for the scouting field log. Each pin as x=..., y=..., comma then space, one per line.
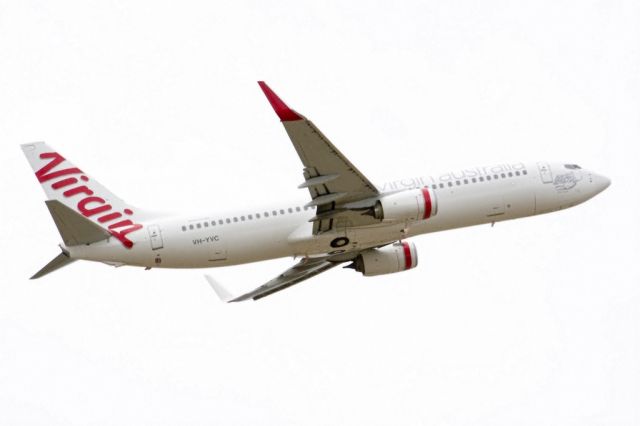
x=306, y=268
x=334, y=183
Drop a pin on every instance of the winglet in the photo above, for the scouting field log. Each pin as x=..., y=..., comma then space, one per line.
x=222, y=292
x=284, y=112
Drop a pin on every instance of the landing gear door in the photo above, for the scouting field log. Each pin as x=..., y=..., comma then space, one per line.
x=545, y=172
x=155, y=237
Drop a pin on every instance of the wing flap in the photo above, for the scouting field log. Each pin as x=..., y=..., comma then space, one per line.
x=318, y=180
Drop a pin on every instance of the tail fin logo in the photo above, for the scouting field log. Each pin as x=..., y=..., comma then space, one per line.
x=88, y=204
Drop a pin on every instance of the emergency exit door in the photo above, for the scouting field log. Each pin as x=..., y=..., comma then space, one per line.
x=545, y=172
x=155, y=237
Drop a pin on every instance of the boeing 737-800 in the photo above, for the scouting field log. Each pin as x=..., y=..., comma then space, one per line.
x=347, y=218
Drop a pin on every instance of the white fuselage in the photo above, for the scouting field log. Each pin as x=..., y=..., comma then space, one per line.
x=464, y=198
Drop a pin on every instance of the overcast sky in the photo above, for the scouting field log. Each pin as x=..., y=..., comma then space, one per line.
x=532, y=322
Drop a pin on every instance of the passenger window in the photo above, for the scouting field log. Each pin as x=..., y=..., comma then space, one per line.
x=434, y=186
x=281, y=211
x=458, y=182
x=495, y=176
x=242, y=218
x=266, y=214
x=206, y=224
x=524, y=172
x=220, y=222
x=191, y=227
x=481, y=179
x=510, y=174
x=488, y=177
x=213, y=223
x=257, y=215
x=503, y=175
x=290, y=210
x=450, y=184
x=297, y=209
x=250, y=217
x=227, y=220
x=235, y=219
x=466, y=181
x=517, y=173
x=474, y=180
x=184, y=228
x=442, y=186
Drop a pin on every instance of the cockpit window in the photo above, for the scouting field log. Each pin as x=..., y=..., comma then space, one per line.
x=572, y=166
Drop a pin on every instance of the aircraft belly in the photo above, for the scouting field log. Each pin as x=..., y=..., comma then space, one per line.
x=112, y=252
x=364, y=237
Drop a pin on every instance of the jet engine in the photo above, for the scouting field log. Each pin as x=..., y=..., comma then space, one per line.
x=398, y=257
x=413, y=204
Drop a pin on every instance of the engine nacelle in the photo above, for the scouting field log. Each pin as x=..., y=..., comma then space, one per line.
x=398, y=257
x=413, y=204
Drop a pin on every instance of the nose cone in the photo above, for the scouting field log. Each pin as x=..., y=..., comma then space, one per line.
x=595, y=184
x=600, y=182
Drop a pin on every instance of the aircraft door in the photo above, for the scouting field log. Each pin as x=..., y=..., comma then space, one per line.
x=545, y=172
x=217, y=248
x=155, y=237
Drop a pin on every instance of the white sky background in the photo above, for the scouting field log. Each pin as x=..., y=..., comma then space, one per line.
x=533, y=322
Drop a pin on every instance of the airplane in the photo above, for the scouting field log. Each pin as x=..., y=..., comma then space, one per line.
x=346, y=219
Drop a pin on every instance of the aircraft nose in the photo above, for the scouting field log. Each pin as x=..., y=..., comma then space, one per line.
x=601, y=182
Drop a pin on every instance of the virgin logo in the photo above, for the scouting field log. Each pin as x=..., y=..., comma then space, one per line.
x=88, y=205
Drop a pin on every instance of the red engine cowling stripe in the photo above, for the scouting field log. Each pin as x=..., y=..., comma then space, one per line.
x=427, y=203
x=407, y=255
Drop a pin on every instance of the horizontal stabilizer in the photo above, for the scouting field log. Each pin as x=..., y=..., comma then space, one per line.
x=58, y=262
x=74, y=228
x=222, y=292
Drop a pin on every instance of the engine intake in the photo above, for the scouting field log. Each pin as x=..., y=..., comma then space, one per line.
x=398, y=257
x=413, y=204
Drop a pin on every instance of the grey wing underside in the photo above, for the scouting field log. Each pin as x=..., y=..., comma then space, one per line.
x=338, y=190
x=305, y=269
